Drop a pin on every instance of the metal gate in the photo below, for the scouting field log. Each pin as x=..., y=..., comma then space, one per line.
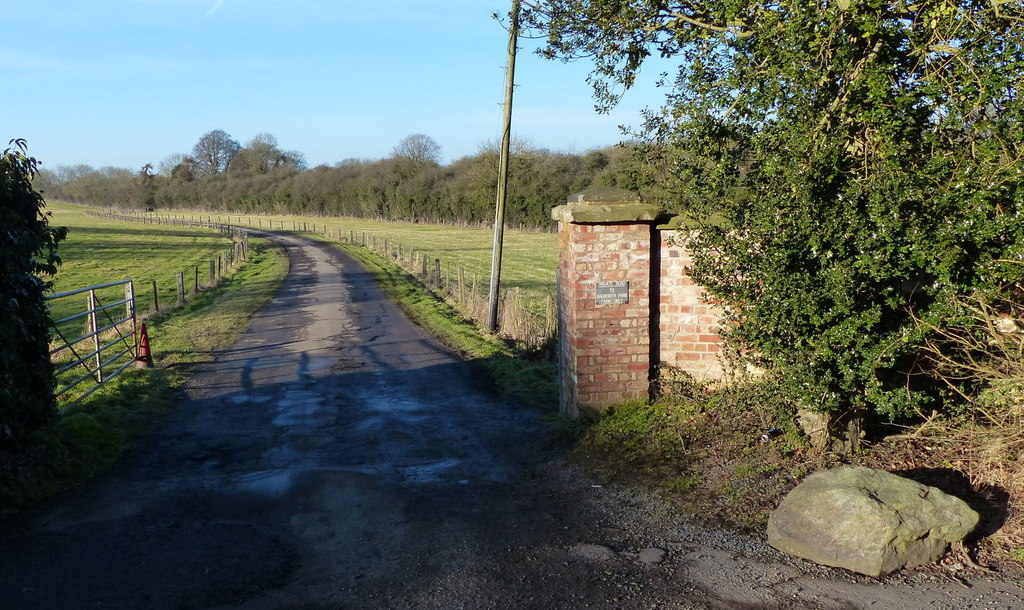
x=96, y=340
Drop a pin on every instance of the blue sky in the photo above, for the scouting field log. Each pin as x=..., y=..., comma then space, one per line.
x=127, y=82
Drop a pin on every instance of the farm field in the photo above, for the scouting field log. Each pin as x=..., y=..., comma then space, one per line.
x=99, y=251
x=529, y=258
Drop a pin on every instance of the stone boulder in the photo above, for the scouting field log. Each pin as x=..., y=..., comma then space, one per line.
x=868, y=521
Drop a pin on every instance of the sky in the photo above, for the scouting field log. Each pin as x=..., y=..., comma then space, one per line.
x=122, y=83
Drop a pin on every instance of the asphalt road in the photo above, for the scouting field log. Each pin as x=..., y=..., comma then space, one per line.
x=338, y=457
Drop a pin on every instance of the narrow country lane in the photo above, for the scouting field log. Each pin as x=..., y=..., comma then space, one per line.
x=338, y=457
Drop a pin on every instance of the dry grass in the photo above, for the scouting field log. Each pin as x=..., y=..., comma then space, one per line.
x=980, y=463
x=982, y=362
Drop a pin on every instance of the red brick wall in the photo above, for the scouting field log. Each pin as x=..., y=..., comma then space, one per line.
x=686, y=326
x=608, y=352
x=605, y=349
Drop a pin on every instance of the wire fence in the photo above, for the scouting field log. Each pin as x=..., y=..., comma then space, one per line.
x=95, y=334
x=529, y=322
x=169, y=292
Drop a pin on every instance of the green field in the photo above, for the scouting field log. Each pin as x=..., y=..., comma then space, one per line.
x=529, y=259
x=101, y=251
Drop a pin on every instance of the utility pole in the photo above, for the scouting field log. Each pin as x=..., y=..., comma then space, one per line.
x=506, y=139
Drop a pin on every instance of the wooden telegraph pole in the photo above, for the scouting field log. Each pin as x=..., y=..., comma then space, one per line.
x=506, y=138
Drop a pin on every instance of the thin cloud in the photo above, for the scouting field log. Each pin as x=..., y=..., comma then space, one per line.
x=216, y=7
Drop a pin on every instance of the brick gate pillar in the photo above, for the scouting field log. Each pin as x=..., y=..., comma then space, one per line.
x=604, y=299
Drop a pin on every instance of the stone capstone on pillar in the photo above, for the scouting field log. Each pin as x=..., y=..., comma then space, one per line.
x=605, y=204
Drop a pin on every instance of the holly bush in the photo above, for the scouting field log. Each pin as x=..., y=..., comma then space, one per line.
x=28, y=254
x=863, y=161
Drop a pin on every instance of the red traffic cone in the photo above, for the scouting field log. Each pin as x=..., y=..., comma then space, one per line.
x=145, y=358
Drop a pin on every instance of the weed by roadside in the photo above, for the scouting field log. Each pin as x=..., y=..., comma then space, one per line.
x=976, y=461
x=727, y=453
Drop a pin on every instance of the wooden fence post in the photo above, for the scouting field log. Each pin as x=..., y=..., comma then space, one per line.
x=156, y=297
x=472, y=291
x=181, y=287
x=462, y=285
x=549, y=317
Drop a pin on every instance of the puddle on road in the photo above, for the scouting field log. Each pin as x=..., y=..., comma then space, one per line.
x=388, y=434
x=280, y=482
x=389, y=400
x=432, y=472
x=267, y=482
x=244, y=399
x=304, y=408
x=304, y=453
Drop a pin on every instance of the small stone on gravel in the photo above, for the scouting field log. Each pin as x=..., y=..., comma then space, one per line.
x=651, y=555
x=594, y=552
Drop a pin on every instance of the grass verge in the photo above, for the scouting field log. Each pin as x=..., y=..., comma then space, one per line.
x=90, y=436
x=703, y=447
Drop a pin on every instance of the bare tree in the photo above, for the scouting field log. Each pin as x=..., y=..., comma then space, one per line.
x=418, y=148
x=295, y=159
x=213, y=152
x=167, y=165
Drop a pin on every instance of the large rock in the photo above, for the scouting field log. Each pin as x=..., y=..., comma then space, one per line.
x=868, y=521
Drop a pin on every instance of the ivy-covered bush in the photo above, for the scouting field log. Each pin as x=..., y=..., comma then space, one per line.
x=28, y=253
x=863, y=161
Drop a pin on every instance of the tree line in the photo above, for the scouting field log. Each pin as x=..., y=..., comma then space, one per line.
x=411, y=184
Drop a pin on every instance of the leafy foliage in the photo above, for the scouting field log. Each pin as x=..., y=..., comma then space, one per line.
x=852, y=167
x=262, y=155
x=28, y=252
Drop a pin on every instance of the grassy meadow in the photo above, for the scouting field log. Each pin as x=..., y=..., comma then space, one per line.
x=100, y=251
x=529, y=259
